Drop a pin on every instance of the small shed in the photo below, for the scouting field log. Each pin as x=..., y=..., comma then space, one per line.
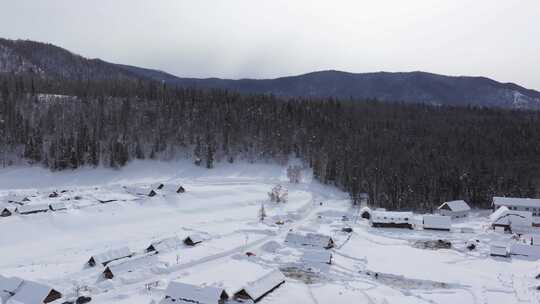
x=258, y=289
x=511, y=220
x=310, y=240
x=116, y=268
x=391, y=219
x=31, y=209
x=193, y=239
x=17, y=199
x=313, y=257
x=164, y=245
x=34, y=293
x=455, y=209
x=152, y=193
x=8, y=287
x=437, y=222
x=498, y=249
x=57, y=206
x=182, y=293
x=109, y=256
x=525, y=250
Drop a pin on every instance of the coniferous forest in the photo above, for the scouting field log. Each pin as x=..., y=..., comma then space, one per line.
x=404, y=156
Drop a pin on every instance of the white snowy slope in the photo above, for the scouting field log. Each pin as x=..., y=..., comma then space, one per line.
x=369, y=265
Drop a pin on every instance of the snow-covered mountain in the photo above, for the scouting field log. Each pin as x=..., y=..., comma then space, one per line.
x=23, y=56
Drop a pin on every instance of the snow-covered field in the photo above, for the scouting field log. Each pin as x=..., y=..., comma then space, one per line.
x=370, y=265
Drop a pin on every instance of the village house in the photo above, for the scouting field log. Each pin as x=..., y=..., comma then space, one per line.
x=511, y=220
x=193, y=240
x=31, y=209
x=6, y=211
x=498, y=249
x=518, y=204
x=17, y=199
x=365, y=213
x=437, y=222
x=109, y=256
x=258, y=289
x=310, y=240
x=164, y=245
x=525, y=250
x=455, y=209
x=182, y=293
x=391, y=219
x=8, y=287
x=120, y=267
x=34, y=293
x=57, y=206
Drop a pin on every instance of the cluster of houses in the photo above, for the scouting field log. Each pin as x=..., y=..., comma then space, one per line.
x=6, y=211
x=122, y=260
x=252, y=292
x=315, y=253
x=154, y=189
x=15, y=290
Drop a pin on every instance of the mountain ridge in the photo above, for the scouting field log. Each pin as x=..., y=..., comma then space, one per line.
x=48, y=60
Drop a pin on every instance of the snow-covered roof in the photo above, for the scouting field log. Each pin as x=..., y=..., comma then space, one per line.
x=16, y=198
x=112, y=255
x=391, y=216
x=178, y=292
x=266, y=283
x=58, y=206
x=505, y=216
x=166, y=244
x=8, y=286
x=365, y=209
x=515, y=201
x=30, y=293
x=317, y=257
x=32, y=208
x=498, y=249
x=456, y=206
x=437, y=221
x=309, y=239
x=129, y=265
x=525, y=250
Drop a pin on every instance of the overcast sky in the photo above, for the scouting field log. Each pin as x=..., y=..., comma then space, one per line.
x=261, y=39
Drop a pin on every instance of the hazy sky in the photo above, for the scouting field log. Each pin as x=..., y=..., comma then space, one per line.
x=259, y=39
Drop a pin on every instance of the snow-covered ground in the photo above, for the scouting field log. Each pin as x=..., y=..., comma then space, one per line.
x=370, y=265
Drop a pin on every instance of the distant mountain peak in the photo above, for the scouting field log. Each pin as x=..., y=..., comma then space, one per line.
x=47, y=60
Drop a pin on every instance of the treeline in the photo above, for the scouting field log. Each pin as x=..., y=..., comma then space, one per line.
x=403, y=156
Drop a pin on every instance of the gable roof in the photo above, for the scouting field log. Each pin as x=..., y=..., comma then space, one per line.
x=178, y=292
x=258, y=288
x=30, y=293
x=309, y=239
x=516, y=201
x=118, y=267
x=32, y=208
x=505, y=216
x=437, y=221
x=456, y=206
x=111, y=255
x=56, y=206
x=195, y=238
x=166, y=244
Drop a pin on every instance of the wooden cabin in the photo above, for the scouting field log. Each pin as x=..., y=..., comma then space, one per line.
x=517, y=204
x=511, y=220
x=109, y=256
x=498, y=249
x=455, y=209
x=120, y=267
x=182, y=293
x=391, y=219
x=258, y=289
x=164, y=245
x=31, y=209
x=437, y=222
x=180, y=189
x=34, y=293
x=6, y=211
x=57, y=206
